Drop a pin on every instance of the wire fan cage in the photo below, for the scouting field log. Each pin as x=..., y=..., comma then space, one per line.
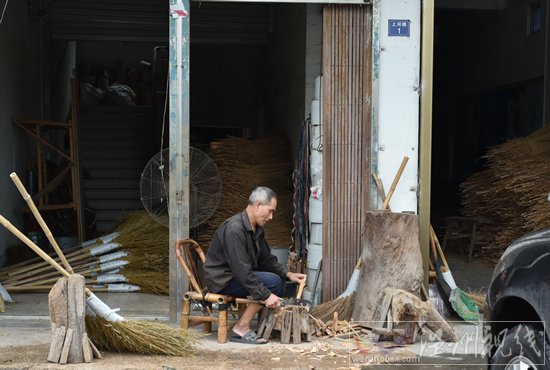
x=205, y=187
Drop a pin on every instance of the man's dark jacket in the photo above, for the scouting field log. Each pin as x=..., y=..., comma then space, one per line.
x=236, y=251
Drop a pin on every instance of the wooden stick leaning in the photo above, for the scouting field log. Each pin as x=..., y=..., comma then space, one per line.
x=40, y=220
x=380, y=188
x=93, y=302
x=395, y=181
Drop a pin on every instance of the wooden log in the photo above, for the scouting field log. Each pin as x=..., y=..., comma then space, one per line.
x=406, y=308
x=391, y=259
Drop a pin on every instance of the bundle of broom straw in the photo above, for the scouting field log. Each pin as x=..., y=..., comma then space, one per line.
x=512, y=192
x=112, y=331
x=343, y=304
x=245, y=164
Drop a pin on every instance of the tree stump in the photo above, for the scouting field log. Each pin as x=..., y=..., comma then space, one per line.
x=67, y=303
x=392, y=262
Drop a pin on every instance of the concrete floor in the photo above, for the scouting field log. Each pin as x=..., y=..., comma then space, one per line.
x=26, y=321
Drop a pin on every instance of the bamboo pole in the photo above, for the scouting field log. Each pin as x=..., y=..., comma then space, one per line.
x=40, y=220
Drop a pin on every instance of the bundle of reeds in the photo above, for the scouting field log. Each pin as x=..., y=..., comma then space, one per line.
x=512, y=192
x=244, y=165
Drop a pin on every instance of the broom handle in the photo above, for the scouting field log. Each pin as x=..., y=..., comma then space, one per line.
x=300, y=289
x=439, y=250
x=40, y=220
x=395, y=181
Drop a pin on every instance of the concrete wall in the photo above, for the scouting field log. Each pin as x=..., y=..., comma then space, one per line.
x=398, y=101
x=19, y=97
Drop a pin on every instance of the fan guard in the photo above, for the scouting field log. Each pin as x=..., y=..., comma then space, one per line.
x=205, y=187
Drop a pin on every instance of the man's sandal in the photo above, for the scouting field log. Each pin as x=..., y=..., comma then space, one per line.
x=249, y=338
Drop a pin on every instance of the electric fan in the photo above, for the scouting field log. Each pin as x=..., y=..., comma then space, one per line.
x=205, y=187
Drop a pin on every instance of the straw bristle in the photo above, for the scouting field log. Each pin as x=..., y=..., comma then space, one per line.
x=479, y=300
x=147, y=243
x=325, y=311
x=139, y=336
x=148, y=281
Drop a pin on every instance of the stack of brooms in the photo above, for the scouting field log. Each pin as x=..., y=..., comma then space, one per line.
x=512, y=192
x=107, y=329
x=133, y=258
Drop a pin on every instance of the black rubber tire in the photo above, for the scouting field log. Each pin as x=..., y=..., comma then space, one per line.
x=516, y=343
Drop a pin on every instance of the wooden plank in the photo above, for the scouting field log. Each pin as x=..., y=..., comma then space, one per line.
x=286, y=326
x=272, y=317
x=57, y=302
x=86, y=349
x=76, y=313
x=296, y=327
x=95, y=351
x=57, y=344
x=263, y=322
x=66, y=346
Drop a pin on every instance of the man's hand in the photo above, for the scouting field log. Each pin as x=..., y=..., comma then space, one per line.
x=272, y=301
x=296, y=277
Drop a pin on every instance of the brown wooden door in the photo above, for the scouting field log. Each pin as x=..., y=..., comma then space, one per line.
x=346, y=111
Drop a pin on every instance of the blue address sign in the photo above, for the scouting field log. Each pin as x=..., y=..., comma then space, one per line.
x=399, y=27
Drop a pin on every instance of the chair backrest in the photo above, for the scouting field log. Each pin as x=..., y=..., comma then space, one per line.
x=186, y=261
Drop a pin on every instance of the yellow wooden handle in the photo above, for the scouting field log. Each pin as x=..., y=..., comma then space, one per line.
x=395, y=181
x=300, y=289
x=40, y=220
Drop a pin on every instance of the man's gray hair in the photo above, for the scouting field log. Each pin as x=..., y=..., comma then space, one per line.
x=261, y=194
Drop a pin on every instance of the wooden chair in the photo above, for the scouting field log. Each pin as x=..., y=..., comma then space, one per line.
x=200, y=294
x=464, y=229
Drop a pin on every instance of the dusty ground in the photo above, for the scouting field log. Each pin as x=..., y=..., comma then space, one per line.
x=314, y=355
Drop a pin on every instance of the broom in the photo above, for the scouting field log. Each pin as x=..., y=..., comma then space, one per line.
x=112, y=331
x=461, y=303
x=343, y=304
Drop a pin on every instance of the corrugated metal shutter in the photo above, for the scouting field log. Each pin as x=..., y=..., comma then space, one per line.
x=347, y=48
x=117, y=20
x=147, y=20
